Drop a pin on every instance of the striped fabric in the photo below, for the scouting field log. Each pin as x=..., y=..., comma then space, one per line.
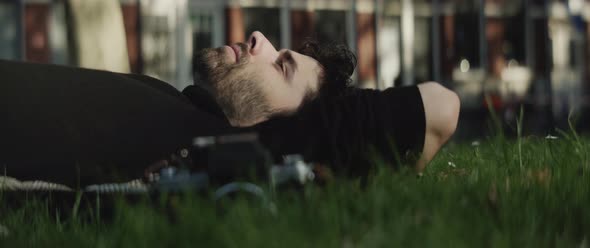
x=13, y=184
x=9, y=183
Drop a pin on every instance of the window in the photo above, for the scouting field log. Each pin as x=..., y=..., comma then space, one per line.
x=389, y=51
x=9, y=34
x=202, y=30
x=423, y=49
x=265, y=20
x=330, y=25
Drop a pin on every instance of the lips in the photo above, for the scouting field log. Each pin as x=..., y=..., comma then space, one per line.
x=237, y=50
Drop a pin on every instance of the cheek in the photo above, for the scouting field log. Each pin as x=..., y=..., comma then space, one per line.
x=284, y=97
x=314, y=78
x=308, y=79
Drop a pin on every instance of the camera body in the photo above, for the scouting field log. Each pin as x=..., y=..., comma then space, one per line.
x=231, y=158
x=222, y=160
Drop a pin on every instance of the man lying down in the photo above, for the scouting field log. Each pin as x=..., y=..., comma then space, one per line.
x=75, y=126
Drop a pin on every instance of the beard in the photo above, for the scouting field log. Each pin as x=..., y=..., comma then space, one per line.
x=237, y=93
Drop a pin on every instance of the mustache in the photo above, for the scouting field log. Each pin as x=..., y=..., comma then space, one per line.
x=244, y=52
x=210, y=64
x=219, y=52
x=216, y=56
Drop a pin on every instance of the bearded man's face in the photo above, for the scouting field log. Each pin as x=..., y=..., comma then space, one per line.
x=253, y=81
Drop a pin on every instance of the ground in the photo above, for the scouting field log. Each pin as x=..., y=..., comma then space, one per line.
x=523, y=192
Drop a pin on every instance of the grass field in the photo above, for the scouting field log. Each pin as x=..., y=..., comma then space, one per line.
x=528, y=192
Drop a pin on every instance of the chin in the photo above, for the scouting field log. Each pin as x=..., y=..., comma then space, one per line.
x=246, y=123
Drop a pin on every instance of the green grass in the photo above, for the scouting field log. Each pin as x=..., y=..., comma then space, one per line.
x=530, y=192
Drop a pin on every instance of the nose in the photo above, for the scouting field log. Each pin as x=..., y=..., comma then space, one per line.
x=260, y=46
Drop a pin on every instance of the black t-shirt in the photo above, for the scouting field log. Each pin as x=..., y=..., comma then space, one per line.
x=67, y=124
x=70, y=125
x=350, y=132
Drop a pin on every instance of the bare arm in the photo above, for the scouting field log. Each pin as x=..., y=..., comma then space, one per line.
x=441, y=107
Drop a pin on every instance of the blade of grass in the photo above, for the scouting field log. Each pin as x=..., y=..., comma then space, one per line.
x=76, y=207
x=519, y=138
x=498, y=130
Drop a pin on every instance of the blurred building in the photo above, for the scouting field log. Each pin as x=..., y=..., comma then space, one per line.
x=511, y=52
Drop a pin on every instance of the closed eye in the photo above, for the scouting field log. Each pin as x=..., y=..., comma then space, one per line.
x=287, y=65
x=280, y=67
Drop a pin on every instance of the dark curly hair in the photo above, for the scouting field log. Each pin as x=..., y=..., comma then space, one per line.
x=338, y=64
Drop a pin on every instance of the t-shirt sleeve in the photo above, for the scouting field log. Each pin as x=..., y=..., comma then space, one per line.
x=355, y=131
